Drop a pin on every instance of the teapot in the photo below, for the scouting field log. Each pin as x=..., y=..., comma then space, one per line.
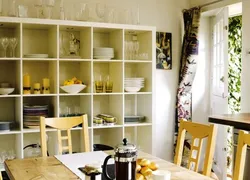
x=125, y=162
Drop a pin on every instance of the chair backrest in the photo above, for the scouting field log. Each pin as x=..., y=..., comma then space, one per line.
x=60, y=124
x=198, y=133
x=243, y=142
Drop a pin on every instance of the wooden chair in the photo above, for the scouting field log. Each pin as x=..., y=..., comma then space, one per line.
x=64, y=124
x=243, y=141
x=198, y=132
x=1, y=178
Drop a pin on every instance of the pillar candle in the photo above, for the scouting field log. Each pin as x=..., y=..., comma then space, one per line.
x=45, y=82
x=46, y=86
x=37, y=88
x=26, y=80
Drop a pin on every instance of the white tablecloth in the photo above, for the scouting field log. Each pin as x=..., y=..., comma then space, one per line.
x=74, y=161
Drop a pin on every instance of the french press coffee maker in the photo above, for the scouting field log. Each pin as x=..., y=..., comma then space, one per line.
x=125, y=162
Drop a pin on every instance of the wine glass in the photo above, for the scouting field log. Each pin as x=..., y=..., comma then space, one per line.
x=13, y=44
x=100, y=10
x=5, y=43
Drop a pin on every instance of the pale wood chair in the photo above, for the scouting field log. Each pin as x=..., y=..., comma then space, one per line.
x=60, y=124
x=1, y=178
x=198, y=132
x=243, y=142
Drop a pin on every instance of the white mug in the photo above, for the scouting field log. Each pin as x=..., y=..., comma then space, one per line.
x=161, y=175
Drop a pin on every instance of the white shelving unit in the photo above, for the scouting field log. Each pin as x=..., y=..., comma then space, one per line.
x=42, y=36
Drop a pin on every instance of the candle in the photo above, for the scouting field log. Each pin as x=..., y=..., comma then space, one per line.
x=45, y=82
x=46, y=86
x=26, y=84
x=26, y=80
x=37, y=88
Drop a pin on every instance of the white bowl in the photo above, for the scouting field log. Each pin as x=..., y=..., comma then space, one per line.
x=5, y=91
x=74, y=88
x=132, y=89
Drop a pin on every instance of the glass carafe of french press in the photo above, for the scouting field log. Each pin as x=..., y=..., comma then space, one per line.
x=125, y=162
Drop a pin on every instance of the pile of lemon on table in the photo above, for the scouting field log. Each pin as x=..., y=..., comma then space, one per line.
x=74, y=80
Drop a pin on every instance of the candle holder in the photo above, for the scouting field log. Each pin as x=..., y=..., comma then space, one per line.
x=37, y=88
x=26, y=90
x=46, y=90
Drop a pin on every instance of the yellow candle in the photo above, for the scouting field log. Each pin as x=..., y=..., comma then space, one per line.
x=26, y=80
x=46, y=86
x=37, y=88
x=45, y=82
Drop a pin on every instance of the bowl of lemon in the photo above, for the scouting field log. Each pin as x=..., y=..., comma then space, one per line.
x=73, y=86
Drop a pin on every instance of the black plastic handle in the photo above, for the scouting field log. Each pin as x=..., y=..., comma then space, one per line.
x=104, y=167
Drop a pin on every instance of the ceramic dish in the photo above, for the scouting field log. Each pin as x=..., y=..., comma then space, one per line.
x=6, y=91
x=74, y=88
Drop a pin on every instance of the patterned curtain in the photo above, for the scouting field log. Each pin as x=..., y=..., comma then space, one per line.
x=188, y=65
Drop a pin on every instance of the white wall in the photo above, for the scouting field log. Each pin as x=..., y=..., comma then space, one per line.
x=166, y=16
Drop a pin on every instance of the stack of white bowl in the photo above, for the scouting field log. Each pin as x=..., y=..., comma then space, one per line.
x=134, y=84
x=103, y=53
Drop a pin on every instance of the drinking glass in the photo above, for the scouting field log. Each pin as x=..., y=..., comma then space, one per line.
x=38, y=5
x=62, y=49
x=109, y=86
x=5, y=43
x=84, y=12
x=99, y=86
x=136, y=48
x=12, y=8
x=100, y=10
x=13, y=44
x=127, y=16
x=49, y=6
x=130, y=49
x=110, y=15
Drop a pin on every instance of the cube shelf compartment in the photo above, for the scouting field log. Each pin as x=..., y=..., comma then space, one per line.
x=43, y=36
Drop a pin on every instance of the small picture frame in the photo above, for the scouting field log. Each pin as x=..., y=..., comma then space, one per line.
x=163, y=50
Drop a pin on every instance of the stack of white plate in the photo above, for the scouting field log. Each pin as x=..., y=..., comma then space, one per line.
x=36, y=55
x=103, y=53
x=134, y=84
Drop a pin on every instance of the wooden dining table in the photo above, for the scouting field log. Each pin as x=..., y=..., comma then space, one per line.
x=50, y=168
x=238, y=121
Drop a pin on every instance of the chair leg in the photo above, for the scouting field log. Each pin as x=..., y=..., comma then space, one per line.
x=1, y=178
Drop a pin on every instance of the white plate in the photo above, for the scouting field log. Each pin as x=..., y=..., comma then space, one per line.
x=36, y=55
x=103, y=48
x=103, y=57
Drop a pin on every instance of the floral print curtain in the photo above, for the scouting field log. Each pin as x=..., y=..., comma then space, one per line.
x=188, y=65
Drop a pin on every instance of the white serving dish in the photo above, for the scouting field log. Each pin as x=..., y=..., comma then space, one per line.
x=132, y=89
x=6, y=91
x=74, y=88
